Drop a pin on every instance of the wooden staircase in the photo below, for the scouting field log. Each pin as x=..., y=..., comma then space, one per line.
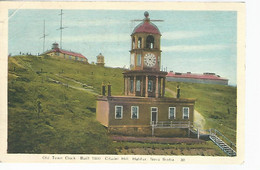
x=217, y=138
x=222, y=145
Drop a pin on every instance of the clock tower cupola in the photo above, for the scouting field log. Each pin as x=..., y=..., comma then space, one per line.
x=145, y=50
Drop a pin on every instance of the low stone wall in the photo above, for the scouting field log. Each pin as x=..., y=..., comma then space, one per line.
x=131, y=131
x=171, y=132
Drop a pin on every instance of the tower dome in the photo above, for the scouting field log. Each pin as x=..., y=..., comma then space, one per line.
x=146, y=26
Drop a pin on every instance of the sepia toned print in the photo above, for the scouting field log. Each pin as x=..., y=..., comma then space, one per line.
x=130, y=85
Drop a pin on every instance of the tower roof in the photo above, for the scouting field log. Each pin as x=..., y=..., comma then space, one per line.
x=146, y=26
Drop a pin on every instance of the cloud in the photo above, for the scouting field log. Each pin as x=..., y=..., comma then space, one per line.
x=182, y=35
x=91, y=23
x=97, y=38
x=194, y=48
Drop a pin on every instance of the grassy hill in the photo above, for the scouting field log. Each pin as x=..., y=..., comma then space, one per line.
x=49, y=110
x=51, y=107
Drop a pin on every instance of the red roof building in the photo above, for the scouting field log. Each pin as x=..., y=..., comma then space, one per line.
x=205, y=78
x=58, y=52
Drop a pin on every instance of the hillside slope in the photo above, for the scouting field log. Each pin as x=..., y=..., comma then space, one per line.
x=45, y=112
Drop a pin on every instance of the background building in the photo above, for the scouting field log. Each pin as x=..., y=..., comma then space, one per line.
x=205, y=78
x=100, y=60
x=58, y=52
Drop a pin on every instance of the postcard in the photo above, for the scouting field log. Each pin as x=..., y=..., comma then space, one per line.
x=122, y=82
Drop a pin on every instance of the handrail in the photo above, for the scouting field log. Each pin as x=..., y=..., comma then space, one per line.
x=187, y=122
x=170, y=124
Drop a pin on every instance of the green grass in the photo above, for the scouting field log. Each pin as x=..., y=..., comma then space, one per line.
x=46, y=117
x=217, y=103
x=208, y=145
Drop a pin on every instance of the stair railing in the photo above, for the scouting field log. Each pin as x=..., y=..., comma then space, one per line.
x=220, y=135
x=214, y=134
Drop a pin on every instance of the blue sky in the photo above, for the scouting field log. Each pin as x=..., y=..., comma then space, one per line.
x=192, y=41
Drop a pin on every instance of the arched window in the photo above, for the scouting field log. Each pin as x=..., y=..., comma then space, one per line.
x=133, y=42
x=139, y=45
x=150, y=42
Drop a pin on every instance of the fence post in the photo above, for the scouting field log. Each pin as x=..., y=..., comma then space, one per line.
x=198, y=133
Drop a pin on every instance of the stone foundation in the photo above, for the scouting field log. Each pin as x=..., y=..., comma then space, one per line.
x=173, y=132
x=130, y=131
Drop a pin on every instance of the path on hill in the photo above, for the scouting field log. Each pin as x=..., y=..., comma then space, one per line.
x=75, y=81
x=199, y=120
x=91, y=91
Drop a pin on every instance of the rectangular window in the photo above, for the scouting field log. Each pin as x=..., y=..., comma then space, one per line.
x=138, y=60
x=154, y=115
x=138, y=85
x=134, y=112
x=131, y=86
x=185, y=112
x=139, y=43
x=118, y=112
x=150, y=85
x=172, y=113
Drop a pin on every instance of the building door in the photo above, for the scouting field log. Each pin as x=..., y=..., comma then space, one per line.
x=154, y=115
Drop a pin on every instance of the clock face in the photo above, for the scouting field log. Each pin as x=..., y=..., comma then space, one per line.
x=149, y=60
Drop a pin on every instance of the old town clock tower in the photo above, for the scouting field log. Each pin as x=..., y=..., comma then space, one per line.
x=145, y=78
x=144, y=110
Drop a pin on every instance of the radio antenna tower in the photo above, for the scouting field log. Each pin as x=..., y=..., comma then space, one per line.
x=61, y=28
x=44, y=35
